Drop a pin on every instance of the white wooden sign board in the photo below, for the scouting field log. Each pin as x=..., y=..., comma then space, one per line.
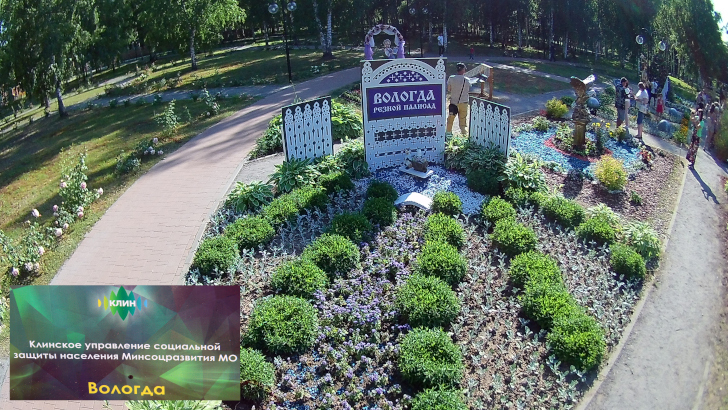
x=490, y=123
x=403, y=105
x=307, y=129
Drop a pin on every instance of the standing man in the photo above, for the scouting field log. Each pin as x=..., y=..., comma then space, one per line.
x=643, y=101
x=441, y=44
x=458, y=86
x=619, y=98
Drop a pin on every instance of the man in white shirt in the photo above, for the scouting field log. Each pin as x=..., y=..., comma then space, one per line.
x=643, y=101
x=458, y=86
x=441, y=44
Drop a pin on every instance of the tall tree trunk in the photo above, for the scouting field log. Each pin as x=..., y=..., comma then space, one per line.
x=519, y=34
x=193, y=58
x=566, y=46
x=46, y=101
x=551, y=32
x=61, y=107
x=322, y=38
x=265, y=32
x=328, y=52
x=490, y=25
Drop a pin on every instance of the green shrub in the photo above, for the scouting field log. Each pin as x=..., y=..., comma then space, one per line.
x=604, y=212
x=540, y=124
x=567, y=100
x=447, y=203
x=346, y=122
x=438, y=399
x=294, y=173
x=643, y=239
x=566, y=212
x=353, y=226
x=442, y=260
x=578, y=340
x=311, y=197
x=456, y=147
x=544, y=301
x=596, y=229
x=525, y=173
x=427, y=301
x=555, y=108
x=626, y=261
x=300, y=278
x=534, y=266
x=282, y=325
x=380, y=211
x=250, y=197
x=538, y=198
x=512, y=237
x=257, y=377
x=250, y=232
x=429, y=358
x=497, y=209
x=378, y=189
x=173, y=404
x=489, y=158
x=352, y=158
x=272, y=139
x=610, y=172
x=444, y=228
x=218, y=252
x=282, y=209
x=336, y=181
x=334, y=254
x=518, y=196
x=483, y=182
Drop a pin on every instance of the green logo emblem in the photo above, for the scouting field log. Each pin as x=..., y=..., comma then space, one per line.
x=122, y=303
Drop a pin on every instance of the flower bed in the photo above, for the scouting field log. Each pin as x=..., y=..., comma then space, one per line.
x=356, y=361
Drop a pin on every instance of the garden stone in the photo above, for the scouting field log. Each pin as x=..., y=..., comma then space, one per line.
x=675, y=113
x=416, y=199
x=665, y=126
x=416, y=173
x=592, y=103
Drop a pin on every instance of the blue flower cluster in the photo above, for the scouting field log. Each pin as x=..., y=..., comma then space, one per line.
x=533, y=142
x=441, y=180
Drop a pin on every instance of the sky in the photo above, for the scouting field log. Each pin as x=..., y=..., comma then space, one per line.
x=721, y=6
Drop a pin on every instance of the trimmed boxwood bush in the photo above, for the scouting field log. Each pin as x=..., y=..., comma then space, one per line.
x=517, y=196
x=380, y=211
x=512, y=237
x=282, y=209
x=564, y=211
x=484, y=182
x=283, y=325
x=444, y=228
x=578, y=340
x=429, y=358
x=353, y=226
x=534, y=266
x=310, y=197
x=443, y=261
x=300, y=277
x=497, y=209
x=257, y=377
x=218, y=253
x=336, y=181
x=427, y=301
x=626, y=261
x=438, y=399
x=544, y=301
x=250, y=232
x=448, y=203
x=379, y=189
x=538, y=198
x=596, y=229
x=334, y=254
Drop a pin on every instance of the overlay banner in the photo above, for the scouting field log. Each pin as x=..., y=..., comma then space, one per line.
x=404, y=101
x=125, y=343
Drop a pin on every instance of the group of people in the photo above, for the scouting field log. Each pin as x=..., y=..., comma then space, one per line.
x=647, y=93
x=706, y=123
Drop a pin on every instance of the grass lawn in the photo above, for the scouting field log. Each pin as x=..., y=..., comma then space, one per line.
x=580, y=72
x=683, y=89
x=520, y=83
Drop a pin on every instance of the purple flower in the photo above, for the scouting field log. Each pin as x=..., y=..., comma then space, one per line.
x=35, y=213
x=15, y=271
x=83, y=185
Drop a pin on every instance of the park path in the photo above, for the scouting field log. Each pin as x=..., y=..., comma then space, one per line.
x=148, y=236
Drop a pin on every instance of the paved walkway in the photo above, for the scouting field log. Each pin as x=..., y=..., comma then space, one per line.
x=148, y=236
x=666, y=359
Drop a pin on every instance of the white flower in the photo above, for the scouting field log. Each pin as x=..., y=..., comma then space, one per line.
x=55, y=214
x=36, y=266
x=80, y=214
x=65, y=226
x=160, y=152
x=41, y=250
x=58, y=232
x=208, y=113
x=152, y=152
x=28, y=266
x=100, y=191
x=80, y=209
x=15, y=271
x=155, y=141
x=35, y=213
x=55, y=208
x=146, y=152
x=150, y=149
x=63, y=184
x=83, y=185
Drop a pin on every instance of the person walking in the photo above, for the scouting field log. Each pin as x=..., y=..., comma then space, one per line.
x=660, y=109
x=552, y=52
x=620, y=97
x=441, y=45
x=472, y=53
x=458, y=86
x=643, y=103
x=711, y=123
x=698, y=126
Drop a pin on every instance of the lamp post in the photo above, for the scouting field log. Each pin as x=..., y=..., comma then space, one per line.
x=273, y=9
x=424, y=11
